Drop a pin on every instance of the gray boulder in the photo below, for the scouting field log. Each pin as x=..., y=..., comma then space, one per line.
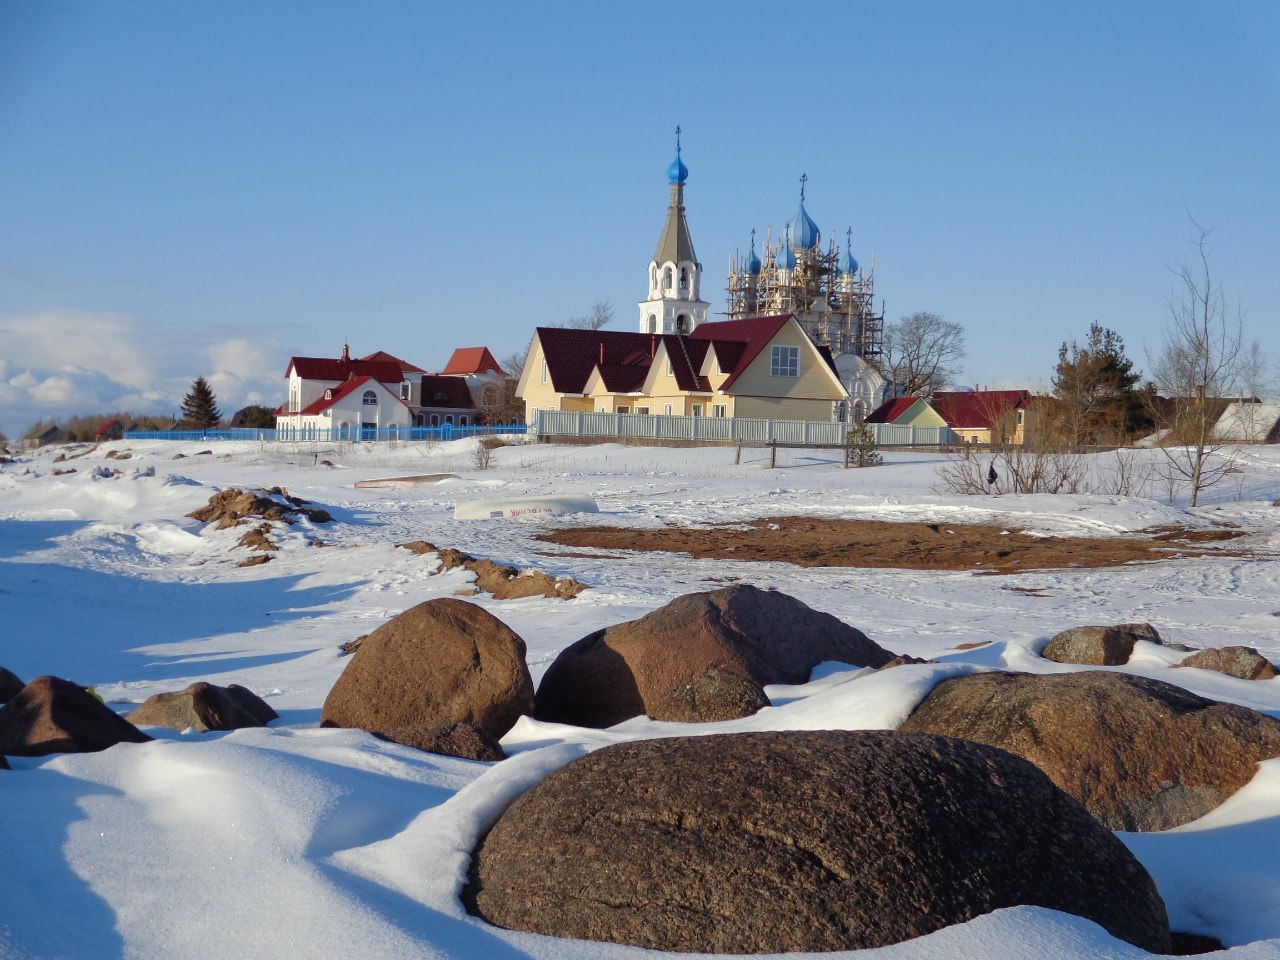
x=1099, y=646
x=852, y=840
x=1245, y=663
x=204, y=706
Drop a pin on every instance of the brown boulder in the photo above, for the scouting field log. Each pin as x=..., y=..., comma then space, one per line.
x=204, y=706
x=443, y=661
x=1243, y=662
x=463, y=740
x=711, y=697
x=622, y=671
x=853, y=840
x=10, y=685
x=1099, y=646
x=1139, y=754
x=51, y=715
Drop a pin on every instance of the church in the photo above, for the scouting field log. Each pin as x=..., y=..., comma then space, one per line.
x=678, y=363
x=831, y=295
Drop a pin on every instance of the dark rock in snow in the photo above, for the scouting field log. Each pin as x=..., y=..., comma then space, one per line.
x=711, y=697
x=1099, y=646
x=1139, y=754
x=463, y=740
x=204, y=706
x=1243, y=662
x=10, y=685
x=800, y=841
x=51, y=715
x=624, y=670
x=443, y=661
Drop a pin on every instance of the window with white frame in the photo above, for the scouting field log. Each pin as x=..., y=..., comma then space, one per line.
x=370, y=399
x=719, y=409
x=784, y=361
x=544, y=371
x=666, y=409
x=697, y=410
x=644, y=410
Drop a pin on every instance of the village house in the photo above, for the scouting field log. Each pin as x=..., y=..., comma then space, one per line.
x=765, y=367
x=380, y=394
x=986, y=416
x=906, y=412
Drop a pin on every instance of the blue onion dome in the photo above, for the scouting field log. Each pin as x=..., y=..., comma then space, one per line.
x=751, y=264
x=849, y=265
x=787, y=256
x=806, y=234
x=677, y=172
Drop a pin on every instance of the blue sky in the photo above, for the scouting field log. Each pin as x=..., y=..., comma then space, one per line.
x=206, y=188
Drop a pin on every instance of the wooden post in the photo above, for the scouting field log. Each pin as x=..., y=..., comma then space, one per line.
x=737, y=461
x=773, y=455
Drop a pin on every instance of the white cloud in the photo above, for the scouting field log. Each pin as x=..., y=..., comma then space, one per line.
x=62, y=363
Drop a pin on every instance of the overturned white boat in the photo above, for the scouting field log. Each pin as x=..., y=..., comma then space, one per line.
x=524, y=506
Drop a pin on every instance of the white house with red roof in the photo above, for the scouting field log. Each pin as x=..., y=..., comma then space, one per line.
x=483, y=376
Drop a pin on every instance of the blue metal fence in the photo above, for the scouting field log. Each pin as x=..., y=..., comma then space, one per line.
x=445, y=431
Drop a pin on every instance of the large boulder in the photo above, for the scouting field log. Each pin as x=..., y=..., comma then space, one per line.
x=1243, y=662
x=10, y=685
x=624, y=670
x=462, y=740
x=1099, y=646
x=710, y=698
x=443, y=661
x=204, y=706
x=51, y=715
x=1139, y=754
x=852, y=840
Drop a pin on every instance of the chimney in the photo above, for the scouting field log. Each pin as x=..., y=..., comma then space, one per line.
x=602, y=351
x=346, y=353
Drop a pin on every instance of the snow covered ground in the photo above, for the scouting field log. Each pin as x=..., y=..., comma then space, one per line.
x=293, y=841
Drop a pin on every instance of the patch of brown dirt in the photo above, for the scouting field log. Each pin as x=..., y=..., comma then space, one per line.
x=809, y=542
x=503, y=582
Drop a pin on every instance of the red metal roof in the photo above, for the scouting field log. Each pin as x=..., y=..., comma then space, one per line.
x=468, y=360
x=457, y=396
x=977, y=409
x=754, y=334
x=340, y=392
x=328, y=370
x=381, y=356
x=891, y=410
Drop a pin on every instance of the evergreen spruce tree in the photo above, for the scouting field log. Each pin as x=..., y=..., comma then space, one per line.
x=199, y=407
x=1097, y=390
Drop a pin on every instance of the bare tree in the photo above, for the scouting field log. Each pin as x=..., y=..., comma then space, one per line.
x=922, y=353
x=601, y=315
x=1200, y=364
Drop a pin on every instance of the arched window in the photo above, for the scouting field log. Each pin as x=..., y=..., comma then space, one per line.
x=682, y=324
x=684, y=277
x=370, y=398
x=462, y=420
x=666, y=279
x=653, y=323
x=449, y=419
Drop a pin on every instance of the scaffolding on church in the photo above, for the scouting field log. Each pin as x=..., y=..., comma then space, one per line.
x=834, y=307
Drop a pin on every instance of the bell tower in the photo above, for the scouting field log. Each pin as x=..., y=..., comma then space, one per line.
x=674, y=304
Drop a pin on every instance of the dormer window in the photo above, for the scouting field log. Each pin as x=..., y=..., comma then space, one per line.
x=404, y=390
x=369, y=399
x=441, y=396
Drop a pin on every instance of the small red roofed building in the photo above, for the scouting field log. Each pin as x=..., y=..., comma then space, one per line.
x=906, y=412
x=986, y=416
x=111, y=430
x=481, y=373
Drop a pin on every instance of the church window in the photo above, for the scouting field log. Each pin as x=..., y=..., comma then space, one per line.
x=682, y=324
x=666, y=279
x=653, y=323
x=684, y=278
x=784, y=361
x=369, y=399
